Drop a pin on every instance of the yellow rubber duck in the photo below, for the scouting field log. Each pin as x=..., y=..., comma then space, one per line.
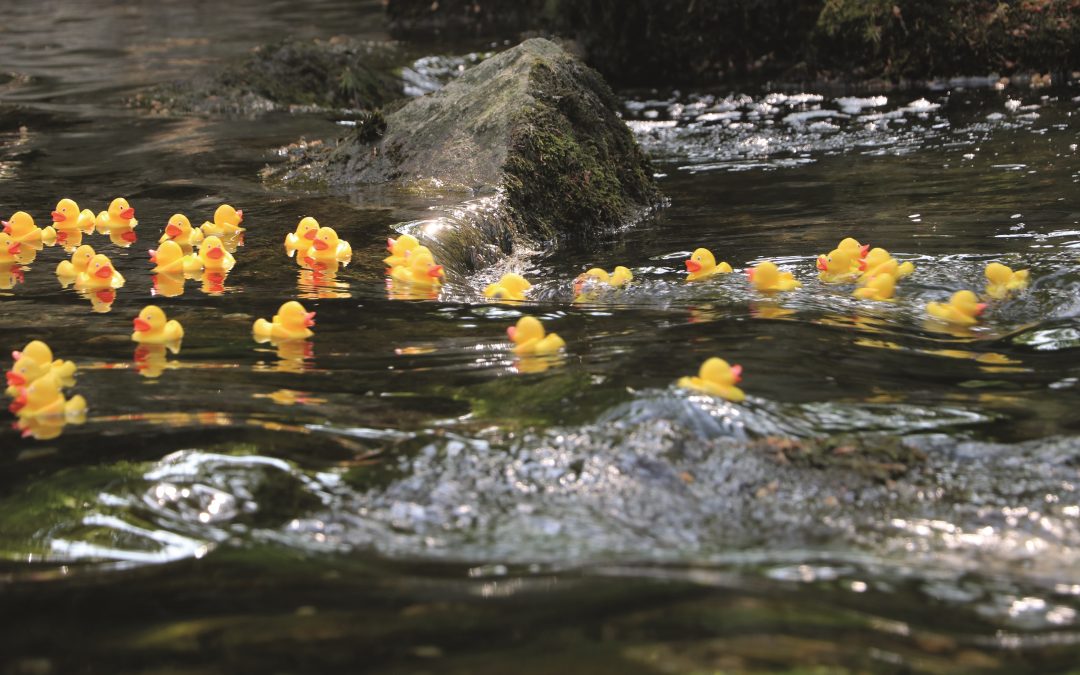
x=179, y=229
x=879, y=260
x=68, y=270
x=21, y=228
x=510, y=287
x=838, y=267
x=529, y=337
x=120, y=217
x=152, y=327
x=618, y=278
x=420, y=270
x=169, y=258
x=304, y=237
x=292, y=322
x=67, y=217
x=702, y=265
x=962, y=309
x=327, y=247
x=44, y=399
x=767, y=278
x=226, y=222
x=99, y=274
x=9, y=249
x=881, y=286
x=1002, y=280
x=399, y=250
x=716, y=378
x=853, y=248
x=26, y=371
x=42, y=353
x=213, y=255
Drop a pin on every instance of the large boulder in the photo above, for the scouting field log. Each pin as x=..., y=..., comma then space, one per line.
x=531, y=137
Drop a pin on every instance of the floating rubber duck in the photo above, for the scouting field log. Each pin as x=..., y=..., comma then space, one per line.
x=119, y=218
x=69, y=270
x=213, y=255
x=21, y=228
x=399, y=250
x=43, y=398
x=179, y=229
x=879, y=260
x=9, y=249
x=618, y=278
x=767, y=278
x=99, y=274
x=853, y=248
x=27, y=370
x=881, y=286
x=302, y=240
x=717, y=378
x=42, y=353
x=169, y=258
x=1002, y=280
x=529, y=337
x=67, y=217
x=152, y=327
x=839, y=267
x=511, y=286
x=702, y=265
x=962, y=309
x=327, y=247
x=226, y=222
x=292, y=322
x=420, y=270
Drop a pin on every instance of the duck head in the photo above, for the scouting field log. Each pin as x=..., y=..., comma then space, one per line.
x=293, y=316
x=854, y=249
x=150, y=320
x=700, y=259
x=35, y=349
x=178, y=226
x=402, y=245
x=81, y=258
x=19, y=224
x=100, y=267
x=120, y=210
x=66, y=213
x=967, y=303
x=212, y=249
x=515, y=283
x=422, y=264
x=526, y=329
x=326, y=239
x=838, y=262
x=25, y=371
x=718, y=371
x=227, y=215
x=764, y=275
x=166, y=254
x=877, y=256
x=997, y=273
x=307, y=228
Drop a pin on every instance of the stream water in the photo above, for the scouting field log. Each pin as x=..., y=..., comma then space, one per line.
x=404, y=495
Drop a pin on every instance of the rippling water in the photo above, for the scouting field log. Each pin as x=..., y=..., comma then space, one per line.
x=402, y=489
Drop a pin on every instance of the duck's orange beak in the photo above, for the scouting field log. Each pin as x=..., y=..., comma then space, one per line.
x=309, y=319
x=390, y=241
x=750, y=273
x=153, y=255
x=141, y=324
x=15, y=379
x=863, y=250
x=172, y=230
x=310, y=234
x=435, y=271
x=129, y=236
x=692, y=265
x=321, y=245
x=511, y=332
x=19, y=403
x=7, y=226
x=979, y=308
x=14, y=248
x=104, y=272
x=736, y=370
x=215, y=253
x=128, y=213
x=823, y=263
x=58, y=217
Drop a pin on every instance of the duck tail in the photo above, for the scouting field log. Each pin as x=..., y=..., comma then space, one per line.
x=262, y=328
x=175, y=330
x=75, y=408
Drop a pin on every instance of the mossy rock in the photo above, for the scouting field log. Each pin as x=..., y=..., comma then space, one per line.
x=532, y=134
x=339, y=73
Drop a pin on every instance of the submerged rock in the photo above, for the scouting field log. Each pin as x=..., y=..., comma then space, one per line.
x=337, y=73
x=531, y=133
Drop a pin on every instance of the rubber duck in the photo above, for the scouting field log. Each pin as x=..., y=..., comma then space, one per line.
x=152, y=327
x=399, y=250
x=767, y=278
x=292, y=322
x=327, y=247
x=43, y=398
x=881, y=286
x=99, y=273
x=839, y=267
x=529, y=337
x=169, y=258
x=40, y=352
x=853, y=248
x=179, y=229
x=26, y=371
x=1002, y=280
x=302, y=240
x=420, y=270
x=717, y=378
x=68, y=270
x=962, y=309
x=702, y=265
x=226, y=222
x=511, y=286
x=880, y=260
x=67, y=217
x=213, y=255
x=618, y=278
x=120, y=217
x=21, y=228
x=9, y=249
